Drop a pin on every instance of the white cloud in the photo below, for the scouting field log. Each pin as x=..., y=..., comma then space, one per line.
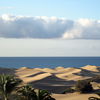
x=48, y=27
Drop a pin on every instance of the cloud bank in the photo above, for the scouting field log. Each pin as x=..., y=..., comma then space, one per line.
x=48, y=27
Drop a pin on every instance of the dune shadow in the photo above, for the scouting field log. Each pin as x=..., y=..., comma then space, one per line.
x=10, y=71
x=36, y=74
x=86, y=73
x=53, y=84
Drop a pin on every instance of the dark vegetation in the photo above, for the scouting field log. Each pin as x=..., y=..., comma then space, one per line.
x=95, y=98
x=11, y=88
x=68, y=90
x=83, y=86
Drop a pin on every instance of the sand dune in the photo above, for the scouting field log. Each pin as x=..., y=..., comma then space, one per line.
x=92, y=68
x=29, y=79
x=60, y=72
x=73, y=96
x=68, y=73
x=56, y=80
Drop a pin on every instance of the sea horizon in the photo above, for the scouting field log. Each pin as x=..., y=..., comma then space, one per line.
x=47, y=56
x=48, y=62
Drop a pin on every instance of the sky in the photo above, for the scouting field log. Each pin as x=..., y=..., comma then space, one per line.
x=49, y=28
x=71, y=9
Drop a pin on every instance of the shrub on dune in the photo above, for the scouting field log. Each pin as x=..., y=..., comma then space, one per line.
x=43, y=95
x=26, y=93
x=10, y=90
x=83, y=86
x=95, y=98
x=29, y=93
x=68, y=90
x=7, y=84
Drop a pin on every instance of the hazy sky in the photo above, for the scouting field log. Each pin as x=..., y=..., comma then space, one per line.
x=49, y=28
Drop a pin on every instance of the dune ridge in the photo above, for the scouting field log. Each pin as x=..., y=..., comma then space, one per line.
x=56, y=80
x=70, y=73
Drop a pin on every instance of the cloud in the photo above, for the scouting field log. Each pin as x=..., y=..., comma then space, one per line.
x=48, y=27
x=84, y=29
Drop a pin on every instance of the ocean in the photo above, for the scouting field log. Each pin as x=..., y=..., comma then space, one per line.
x=49, y=62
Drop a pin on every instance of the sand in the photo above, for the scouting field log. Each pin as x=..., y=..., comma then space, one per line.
x=65, y=74
x=73, y=96
x=58, y=79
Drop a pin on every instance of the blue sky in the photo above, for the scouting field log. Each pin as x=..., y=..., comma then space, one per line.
x=62, y=28
x=71, y=9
